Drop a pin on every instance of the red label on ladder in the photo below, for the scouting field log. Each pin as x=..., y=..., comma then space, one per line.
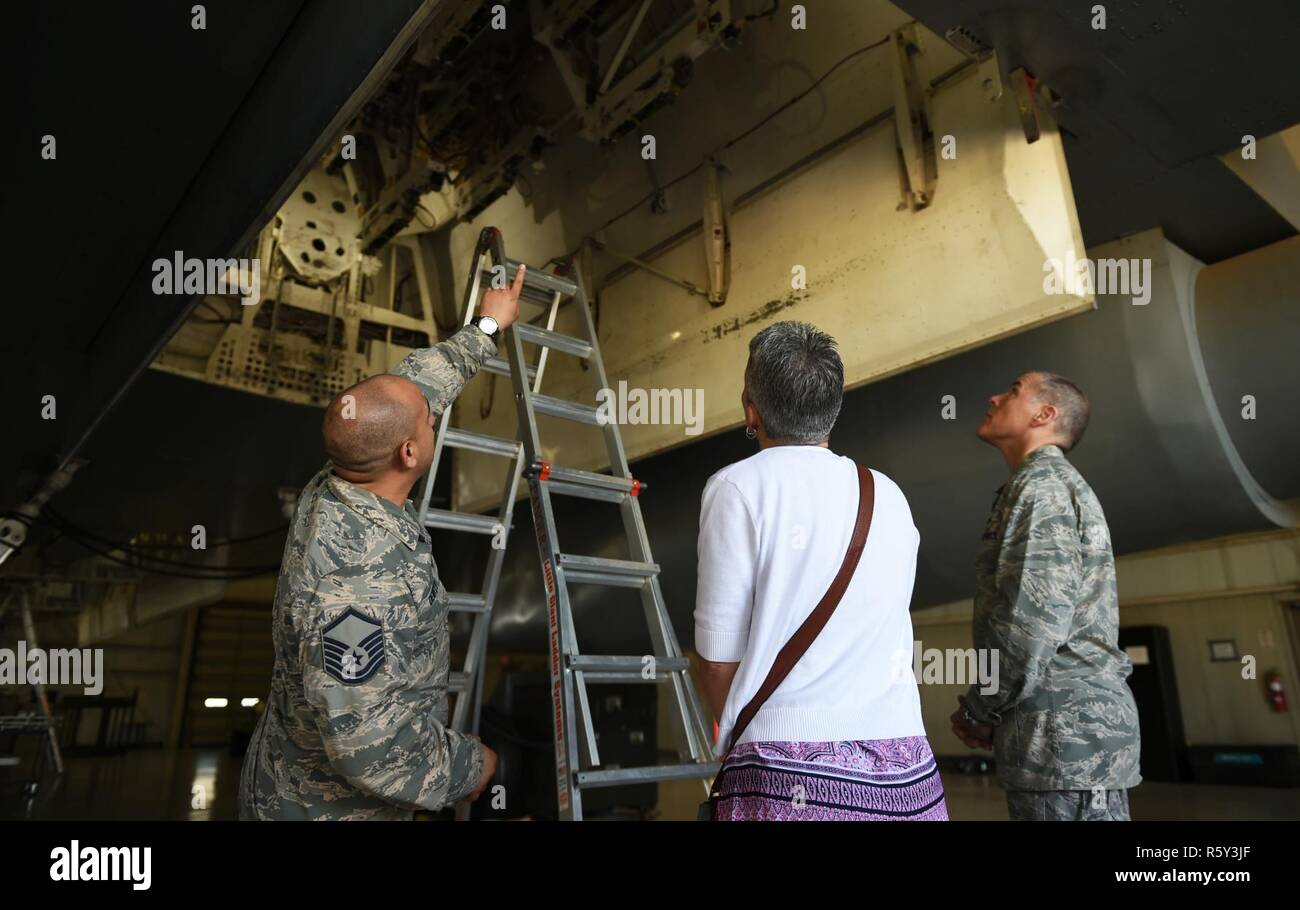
x=557, y=695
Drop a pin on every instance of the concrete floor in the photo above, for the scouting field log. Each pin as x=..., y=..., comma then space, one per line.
x=202, y=784
x=194, y=785
x=982, y=798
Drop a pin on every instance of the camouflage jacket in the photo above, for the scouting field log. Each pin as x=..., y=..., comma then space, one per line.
x=1046, y=599
x=355, y=724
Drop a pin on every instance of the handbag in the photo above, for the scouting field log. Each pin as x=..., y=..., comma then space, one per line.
x=804, y=636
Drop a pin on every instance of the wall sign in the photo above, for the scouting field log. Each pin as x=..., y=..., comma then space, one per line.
x=1223, y=649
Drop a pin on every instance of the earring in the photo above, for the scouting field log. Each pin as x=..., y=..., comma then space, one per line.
x=750, y=432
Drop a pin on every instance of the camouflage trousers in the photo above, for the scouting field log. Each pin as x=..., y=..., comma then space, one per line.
x=1068, y=805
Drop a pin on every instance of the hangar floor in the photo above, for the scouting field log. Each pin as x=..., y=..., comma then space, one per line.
x=201, y=784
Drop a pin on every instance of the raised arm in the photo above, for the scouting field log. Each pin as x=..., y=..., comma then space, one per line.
x=442, y=370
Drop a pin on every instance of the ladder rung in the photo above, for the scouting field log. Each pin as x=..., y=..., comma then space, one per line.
x=466, y=603
x=501, y=367
x=652, y=774
x=480, y=442
x=621, y=678
x=568, y=410
x=582, y=491
x=461, y=521
x=539, y=297
x=590, y=479
x=596, y=570
x=540, y=279
x=619, y=662
x=566, y=343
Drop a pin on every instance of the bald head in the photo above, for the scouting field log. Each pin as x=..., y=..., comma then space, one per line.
x=365, y=425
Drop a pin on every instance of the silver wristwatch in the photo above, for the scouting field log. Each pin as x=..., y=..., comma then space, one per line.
x=487, y=325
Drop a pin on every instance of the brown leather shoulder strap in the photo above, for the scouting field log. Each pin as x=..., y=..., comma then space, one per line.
x=803, y=637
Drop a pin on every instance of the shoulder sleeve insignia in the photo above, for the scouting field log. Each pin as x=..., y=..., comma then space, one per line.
x=354, y=647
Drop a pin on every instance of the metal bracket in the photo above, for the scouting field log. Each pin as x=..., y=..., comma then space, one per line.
x=631, y=87
x=990, y=76
x=659, y=204
x=1024, y=85
x=717, y=235
x=13, y=529
x=612, y=70
x=912, y=121
x=658, y=273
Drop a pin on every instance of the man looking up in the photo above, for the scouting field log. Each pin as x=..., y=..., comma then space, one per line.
x=1062, y=722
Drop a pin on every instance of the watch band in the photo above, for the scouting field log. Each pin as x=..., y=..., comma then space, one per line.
x=493, y=335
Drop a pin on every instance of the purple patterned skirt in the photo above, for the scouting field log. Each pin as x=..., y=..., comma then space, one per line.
x=866, y=780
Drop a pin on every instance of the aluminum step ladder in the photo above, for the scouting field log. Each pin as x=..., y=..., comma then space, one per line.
x=467, y=682
x=577, y=757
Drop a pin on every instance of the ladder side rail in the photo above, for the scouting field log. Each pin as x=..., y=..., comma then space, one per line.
x=560, y=645
x=471, y=298
x=613, y=439
x=498, y=558
x=559, y=617
x=465, y=717
x=552, y=312
x=688, y=717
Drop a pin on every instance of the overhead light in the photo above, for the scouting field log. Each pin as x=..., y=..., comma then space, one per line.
x=215, y=702
x=248, y=702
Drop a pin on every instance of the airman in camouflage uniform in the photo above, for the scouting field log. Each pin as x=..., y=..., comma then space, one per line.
x=355, y=726
x=1063, y=723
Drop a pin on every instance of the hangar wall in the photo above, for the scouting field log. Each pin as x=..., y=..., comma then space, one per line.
x=142, y=661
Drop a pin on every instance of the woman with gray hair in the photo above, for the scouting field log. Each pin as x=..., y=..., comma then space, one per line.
x=806, y=565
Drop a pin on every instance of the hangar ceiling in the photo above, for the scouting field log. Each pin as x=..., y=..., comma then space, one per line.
x=1149, y=102
x=167, y=137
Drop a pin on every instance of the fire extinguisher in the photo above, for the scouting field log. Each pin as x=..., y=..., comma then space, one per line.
x=1276, y=694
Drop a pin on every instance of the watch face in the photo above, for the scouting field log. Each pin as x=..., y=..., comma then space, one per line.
x=488, y=325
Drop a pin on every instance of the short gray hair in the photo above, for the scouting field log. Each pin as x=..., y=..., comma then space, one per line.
x=795, y=380
x=1072, y=406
